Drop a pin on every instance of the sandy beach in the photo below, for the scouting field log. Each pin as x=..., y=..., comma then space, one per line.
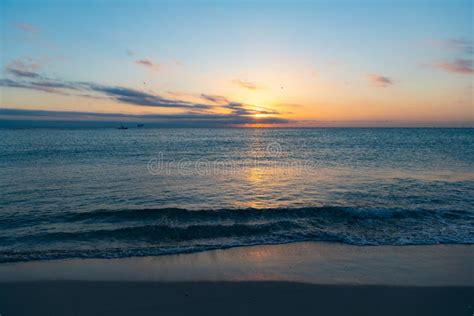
x=302, y=279
x=228, y=298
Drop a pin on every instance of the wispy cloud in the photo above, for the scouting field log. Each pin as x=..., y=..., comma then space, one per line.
x=242, y=109
x=23, y=68
x=141, y=98
x=9, y=83
x=218, y=99
x=379, y=80
x=246, y=84
x=177, y=62
x=119, y=94
x=149, y=64
x=456, y=44
x=25, y=27
x=22, y=73
x=41, y=85
x=459, y=66
x=33, y=36
x=136, y=97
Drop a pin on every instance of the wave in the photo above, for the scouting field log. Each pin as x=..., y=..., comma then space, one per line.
x=149, y=232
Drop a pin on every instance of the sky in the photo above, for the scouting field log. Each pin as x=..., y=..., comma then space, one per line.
x=238, y=63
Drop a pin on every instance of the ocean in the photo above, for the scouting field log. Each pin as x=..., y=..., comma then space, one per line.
x=110, y=193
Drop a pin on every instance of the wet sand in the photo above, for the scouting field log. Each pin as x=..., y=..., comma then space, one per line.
x=305, y=262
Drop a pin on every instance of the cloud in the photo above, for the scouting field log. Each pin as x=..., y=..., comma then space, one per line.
x=459, y=66
x=238, y=108
x=54, y=85
x=460, y=45
x=120, y=94
x=33, y=36
x=136, y=97
x=23, y=73
x=246, y=84
x=187, y=119
x=45, y=86
x=132, y=96
x=209, y=109
x=246, y=110
x=14, y=84
x=26, y=27
x=214, y=98
x=23, y=68
x=147, y=63
x=379, y=81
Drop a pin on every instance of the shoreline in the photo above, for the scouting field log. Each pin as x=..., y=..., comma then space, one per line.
x=306, y=262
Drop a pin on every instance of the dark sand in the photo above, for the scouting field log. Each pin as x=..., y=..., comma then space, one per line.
x=229, y=298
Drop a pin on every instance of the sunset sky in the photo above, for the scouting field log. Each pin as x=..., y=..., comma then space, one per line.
x=239, y=63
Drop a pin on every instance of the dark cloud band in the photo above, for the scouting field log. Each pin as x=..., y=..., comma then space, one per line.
x=184, y=119
x=195, y=113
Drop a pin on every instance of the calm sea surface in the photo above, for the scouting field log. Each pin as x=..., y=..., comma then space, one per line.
x=106, y=193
